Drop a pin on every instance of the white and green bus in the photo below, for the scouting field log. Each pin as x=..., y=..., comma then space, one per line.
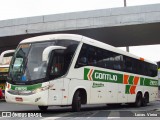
x=71, y=70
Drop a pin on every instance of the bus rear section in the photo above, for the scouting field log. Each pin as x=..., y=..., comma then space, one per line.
x=5, y=59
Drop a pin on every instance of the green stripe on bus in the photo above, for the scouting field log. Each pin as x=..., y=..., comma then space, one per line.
x=26, y=87
x=104, y=76
x=107, y=77
x=127, y=90
x=150, y=82
x=141, y=81
x=86, y=71
x=130, y=81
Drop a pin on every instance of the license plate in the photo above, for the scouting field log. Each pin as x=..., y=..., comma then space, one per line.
x=19, y=99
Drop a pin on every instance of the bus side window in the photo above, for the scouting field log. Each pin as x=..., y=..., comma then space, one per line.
x=128, y=64
x=152, y=70
x=82, y=58
x=82, y=61
x=87, y=56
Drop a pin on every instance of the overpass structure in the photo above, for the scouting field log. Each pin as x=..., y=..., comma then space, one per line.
x=126, y=26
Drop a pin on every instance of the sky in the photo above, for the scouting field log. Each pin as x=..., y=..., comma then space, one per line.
x=11, y=9
x=149, y=52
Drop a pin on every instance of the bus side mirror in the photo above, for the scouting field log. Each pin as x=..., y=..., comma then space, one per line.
x=47, y=51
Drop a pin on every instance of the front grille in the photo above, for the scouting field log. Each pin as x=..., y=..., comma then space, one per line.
x=18, y=92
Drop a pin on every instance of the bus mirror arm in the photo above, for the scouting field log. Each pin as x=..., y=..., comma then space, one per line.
x=47, y=51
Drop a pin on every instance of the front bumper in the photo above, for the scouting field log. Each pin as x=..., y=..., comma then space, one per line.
x=39, y=98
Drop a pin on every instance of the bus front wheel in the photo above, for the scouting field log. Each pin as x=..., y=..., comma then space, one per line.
x=76, y=103
x=43, y=108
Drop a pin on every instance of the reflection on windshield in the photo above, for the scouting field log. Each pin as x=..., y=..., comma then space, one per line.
x=17, y=67
x=36, y=68
x=27, y=64
x=17, y=64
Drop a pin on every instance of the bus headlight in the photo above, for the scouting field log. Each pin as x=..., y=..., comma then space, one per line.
x=40, y=89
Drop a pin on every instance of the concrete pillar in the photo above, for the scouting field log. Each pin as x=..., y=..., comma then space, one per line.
x=127, y=48
x=125, y=3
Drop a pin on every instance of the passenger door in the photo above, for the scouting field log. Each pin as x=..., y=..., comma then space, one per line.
x=55, y=92
x=55, y=71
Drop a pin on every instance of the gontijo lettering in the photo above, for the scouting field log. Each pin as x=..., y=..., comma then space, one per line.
x=154, y=83
x=105, y=76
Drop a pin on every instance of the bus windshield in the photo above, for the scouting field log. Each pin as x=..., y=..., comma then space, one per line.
x=27, y=64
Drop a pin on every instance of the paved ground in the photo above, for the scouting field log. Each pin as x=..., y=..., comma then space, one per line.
x=87, y=112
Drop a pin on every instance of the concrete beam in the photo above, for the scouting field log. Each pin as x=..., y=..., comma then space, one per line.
x=81, y=20
x=126, y=26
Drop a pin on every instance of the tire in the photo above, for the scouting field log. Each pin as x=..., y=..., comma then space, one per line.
x=145, y=100
x=76, y=103
x=43, y=108
x=139, y=100
x=147, y=97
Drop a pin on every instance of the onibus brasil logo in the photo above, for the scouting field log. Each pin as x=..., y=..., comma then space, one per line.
x=130, y=81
